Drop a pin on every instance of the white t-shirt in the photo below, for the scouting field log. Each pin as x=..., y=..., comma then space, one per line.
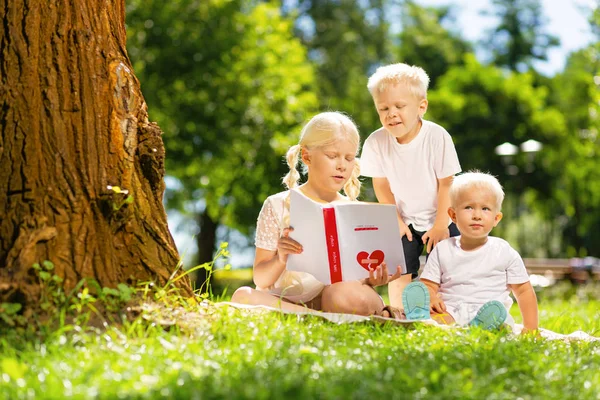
x=412, y=169
x=297, y=287
x=475, y=277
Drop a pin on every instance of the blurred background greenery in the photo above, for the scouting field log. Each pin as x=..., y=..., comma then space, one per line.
x=230, y=82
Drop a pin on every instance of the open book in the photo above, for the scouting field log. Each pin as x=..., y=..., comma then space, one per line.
x=343, y=240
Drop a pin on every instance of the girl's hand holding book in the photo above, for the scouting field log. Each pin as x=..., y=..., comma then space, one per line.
x=286, y=246
x=379, y=276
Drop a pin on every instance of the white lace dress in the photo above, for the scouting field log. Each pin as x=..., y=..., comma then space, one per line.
x=298, y=287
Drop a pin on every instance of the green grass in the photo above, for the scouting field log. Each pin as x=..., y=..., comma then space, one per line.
x=228, y=353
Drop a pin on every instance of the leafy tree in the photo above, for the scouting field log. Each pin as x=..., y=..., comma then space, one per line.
x=231, y=86
x=574, y=161
x=424, y=41
x=520, y=38
x=346, y=40
x=483, y=107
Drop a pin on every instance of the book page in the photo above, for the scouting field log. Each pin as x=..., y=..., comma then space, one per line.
x=306, y=217
x=369, y=234
x=343, y=240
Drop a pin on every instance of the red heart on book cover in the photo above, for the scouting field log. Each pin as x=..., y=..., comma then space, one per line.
x=370, y=261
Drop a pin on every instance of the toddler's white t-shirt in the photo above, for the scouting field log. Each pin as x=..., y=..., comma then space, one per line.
x=475, y=277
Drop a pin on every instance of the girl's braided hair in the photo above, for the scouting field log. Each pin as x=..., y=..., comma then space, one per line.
x=322, y=130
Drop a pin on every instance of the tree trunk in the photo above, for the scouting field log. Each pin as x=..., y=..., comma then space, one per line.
x=206, y=241
x=74, y=125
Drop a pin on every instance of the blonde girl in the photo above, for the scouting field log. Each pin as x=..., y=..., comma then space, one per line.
x=327, y=148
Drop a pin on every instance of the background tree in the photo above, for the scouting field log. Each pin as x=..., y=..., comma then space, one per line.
x=424, y=40
x=520, y=37
x=346, y=41
x=74, y=124
x=230, y=105
x=483, y=107
x=573, y=163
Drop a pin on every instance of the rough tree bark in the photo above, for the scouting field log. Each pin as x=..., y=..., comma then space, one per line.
x=74, y=123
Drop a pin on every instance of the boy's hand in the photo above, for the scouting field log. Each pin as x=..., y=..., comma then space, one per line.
x=437, y=304
x=405, y=230
x=286, y=246
x=435, y=235
x=379, y=276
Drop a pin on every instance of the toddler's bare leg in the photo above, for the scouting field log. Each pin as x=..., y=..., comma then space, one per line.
x=351, y=297
x=247, y=295
x=395, y=289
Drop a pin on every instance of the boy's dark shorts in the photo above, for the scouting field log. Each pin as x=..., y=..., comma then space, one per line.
x=413, y=249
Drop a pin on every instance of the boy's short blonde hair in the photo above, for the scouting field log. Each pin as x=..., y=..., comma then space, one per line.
x=476, y=180
x=415, y=77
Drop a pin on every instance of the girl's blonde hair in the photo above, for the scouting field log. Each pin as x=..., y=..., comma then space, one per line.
x=322, y=130
x=415, y=77
x=476, y=180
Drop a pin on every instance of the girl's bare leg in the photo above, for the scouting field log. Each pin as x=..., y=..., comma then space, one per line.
x=247, y=295
x=351, y=297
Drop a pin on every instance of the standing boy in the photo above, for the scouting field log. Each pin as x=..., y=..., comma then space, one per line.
x=469, y=276
x=412, y=162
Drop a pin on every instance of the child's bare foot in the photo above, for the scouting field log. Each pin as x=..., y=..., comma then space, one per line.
x=392, y=312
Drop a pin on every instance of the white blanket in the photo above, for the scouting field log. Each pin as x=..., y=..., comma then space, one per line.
x=338, y=318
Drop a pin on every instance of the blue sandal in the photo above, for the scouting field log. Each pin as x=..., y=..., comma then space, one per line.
x=490, y=316
x=415, y=298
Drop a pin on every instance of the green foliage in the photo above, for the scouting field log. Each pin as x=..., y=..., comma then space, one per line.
x=52, y=293
x=346, y=39
x=574, y=161
x=59, y=308
x=478, y=101
x=482, y=107
x=205, y=290
x=424, y=40
x=230, y=86
x=9, y=313
x=122, y=293
x=520, y=38
x=530, y=229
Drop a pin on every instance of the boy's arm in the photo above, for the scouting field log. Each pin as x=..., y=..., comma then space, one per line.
x=439, y=231
x=436, y=303
x=384, y=195
x=528, y=305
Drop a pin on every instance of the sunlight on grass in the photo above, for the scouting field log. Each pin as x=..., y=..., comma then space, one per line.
x=233, y=353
